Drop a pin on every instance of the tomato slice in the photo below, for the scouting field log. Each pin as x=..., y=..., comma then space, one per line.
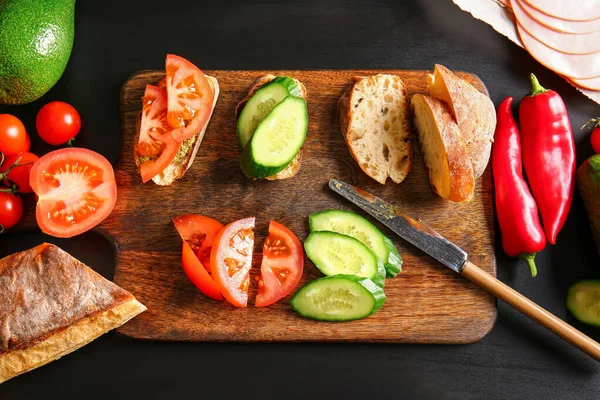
x=231, y=260
x=281, y=267
x=198, y=274
x=190, y=98
x=76, y=190
x=199, y=232
x=155, y=139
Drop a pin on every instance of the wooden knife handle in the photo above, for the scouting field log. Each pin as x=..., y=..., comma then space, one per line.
x=531, y=309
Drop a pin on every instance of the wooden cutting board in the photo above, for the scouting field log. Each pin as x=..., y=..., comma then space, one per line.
x=426, y=303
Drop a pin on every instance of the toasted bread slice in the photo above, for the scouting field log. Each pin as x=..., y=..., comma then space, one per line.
x=445, y=154
x=294, y=166
x=374, y=121
x=52, y=304
x=473, y=110
x=188, y=150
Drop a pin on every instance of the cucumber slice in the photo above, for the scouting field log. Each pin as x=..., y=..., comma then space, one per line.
x=338, y=298
x=583, y=301
x=334, y=254
x=261, y=103
x=351, y=224
x=277, y=139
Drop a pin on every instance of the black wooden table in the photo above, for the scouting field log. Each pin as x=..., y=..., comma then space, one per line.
x=518, y=359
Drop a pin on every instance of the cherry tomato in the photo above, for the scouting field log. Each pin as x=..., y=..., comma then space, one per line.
x=11, y=210
x=231, y=260
x=18, y=174
x=13, y=136
x=57, y=123
x=281, y=267
x=76, y=189
x=596, y=140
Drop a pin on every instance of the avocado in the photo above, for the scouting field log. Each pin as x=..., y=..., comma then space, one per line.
x=588, y=180
x=36, y=38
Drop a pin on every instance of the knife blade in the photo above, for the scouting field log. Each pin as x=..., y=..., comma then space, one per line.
x=452, y=256
x=410, y=229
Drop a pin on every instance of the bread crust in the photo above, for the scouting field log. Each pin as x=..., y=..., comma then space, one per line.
x=177, y=168
x=462, y=180
x=45, y=294
x=473, y=110
x=346, y=115
x=294, y=166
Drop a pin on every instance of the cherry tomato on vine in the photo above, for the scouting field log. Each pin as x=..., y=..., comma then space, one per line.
x=57, y=123
x=18, y=174
x=13, y=136
x=11, y=210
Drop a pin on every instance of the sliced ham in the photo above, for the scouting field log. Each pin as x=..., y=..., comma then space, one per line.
x=586, y=43
x=582, y=10
x=576, y=66
x=591, y=84
x=560, y=25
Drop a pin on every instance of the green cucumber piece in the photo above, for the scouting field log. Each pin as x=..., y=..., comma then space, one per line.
x=277, y=139
x=334, y=254
x=338, y=298
x=261, y=103
x=351, y=224
x=583, y=301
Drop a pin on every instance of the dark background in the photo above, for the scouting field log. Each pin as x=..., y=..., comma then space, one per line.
x=518, y=359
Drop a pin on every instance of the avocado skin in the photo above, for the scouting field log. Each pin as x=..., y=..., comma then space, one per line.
x=588, y=180
x=36, y=39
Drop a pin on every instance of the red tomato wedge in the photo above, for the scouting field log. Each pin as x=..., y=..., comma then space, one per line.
x=199, y=232
x=281, y=267
x=190, y=98
x=76, y=190
x=155, y=139
x=231, y=260
x=198, y=274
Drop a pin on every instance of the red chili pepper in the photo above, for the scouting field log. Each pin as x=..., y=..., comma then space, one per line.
x=549, y=155
x=522, y=233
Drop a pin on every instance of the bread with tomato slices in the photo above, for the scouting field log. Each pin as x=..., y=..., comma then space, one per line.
x=181, y=153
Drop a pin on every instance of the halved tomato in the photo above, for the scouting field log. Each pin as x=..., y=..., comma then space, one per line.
x=281, y=267
x=155, y=139
x=231, y=260
x=199, y=232
x=198, y=274
x=190, y=98
x=76, y=190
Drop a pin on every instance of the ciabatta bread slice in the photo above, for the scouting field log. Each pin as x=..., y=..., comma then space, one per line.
x=52, y=304
x=473, y=110
x=294, y=166
x=374, y=121
x=444, y=152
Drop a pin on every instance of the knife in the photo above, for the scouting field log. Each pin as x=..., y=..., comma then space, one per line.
x=420, y=235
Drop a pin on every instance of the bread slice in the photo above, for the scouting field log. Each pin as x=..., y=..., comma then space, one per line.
x=444, y=152
x=374, y=121
x=294, y=166
x=473, y=110
x=188, y=150
x=52, y=304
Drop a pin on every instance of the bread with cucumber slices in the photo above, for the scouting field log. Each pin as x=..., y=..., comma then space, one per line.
x=443, y=148
x=473, y=111
x=189, y=148
x=374, y=121
x=294, y=166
